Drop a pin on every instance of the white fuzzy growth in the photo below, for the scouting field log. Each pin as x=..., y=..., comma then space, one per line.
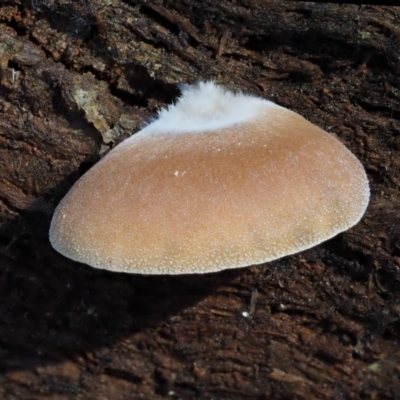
x=204, y=107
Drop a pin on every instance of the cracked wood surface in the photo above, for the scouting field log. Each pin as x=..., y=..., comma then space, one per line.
x=77, y=78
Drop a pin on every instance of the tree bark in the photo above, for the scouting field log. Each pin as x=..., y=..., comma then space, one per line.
x=79, y=77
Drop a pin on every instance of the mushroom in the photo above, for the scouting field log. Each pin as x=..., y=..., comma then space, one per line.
x=220, y=180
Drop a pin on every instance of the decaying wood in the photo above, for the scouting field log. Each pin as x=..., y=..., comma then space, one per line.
x=78, y=77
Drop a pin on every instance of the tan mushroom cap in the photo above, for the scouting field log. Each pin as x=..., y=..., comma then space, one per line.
x=175, y=201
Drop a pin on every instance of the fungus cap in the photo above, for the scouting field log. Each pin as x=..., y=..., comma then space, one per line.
x=220, y=180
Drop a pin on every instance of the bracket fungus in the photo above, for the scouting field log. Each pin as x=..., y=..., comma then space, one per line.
x=219, y=180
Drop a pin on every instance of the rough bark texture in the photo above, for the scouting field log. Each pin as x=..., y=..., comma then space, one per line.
x=79, y=76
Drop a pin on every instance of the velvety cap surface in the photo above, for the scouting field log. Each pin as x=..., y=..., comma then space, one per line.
x=191, y=199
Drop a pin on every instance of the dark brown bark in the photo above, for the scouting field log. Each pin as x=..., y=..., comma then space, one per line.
x=77, y=77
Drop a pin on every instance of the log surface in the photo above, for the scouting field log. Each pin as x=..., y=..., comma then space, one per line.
x=78, y=77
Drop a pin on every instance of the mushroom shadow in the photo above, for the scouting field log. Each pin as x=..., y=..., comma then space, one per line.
x=54, y=309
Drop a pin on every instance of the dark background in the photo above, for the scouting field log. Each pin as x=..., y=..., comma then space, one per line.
x=78, y=75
